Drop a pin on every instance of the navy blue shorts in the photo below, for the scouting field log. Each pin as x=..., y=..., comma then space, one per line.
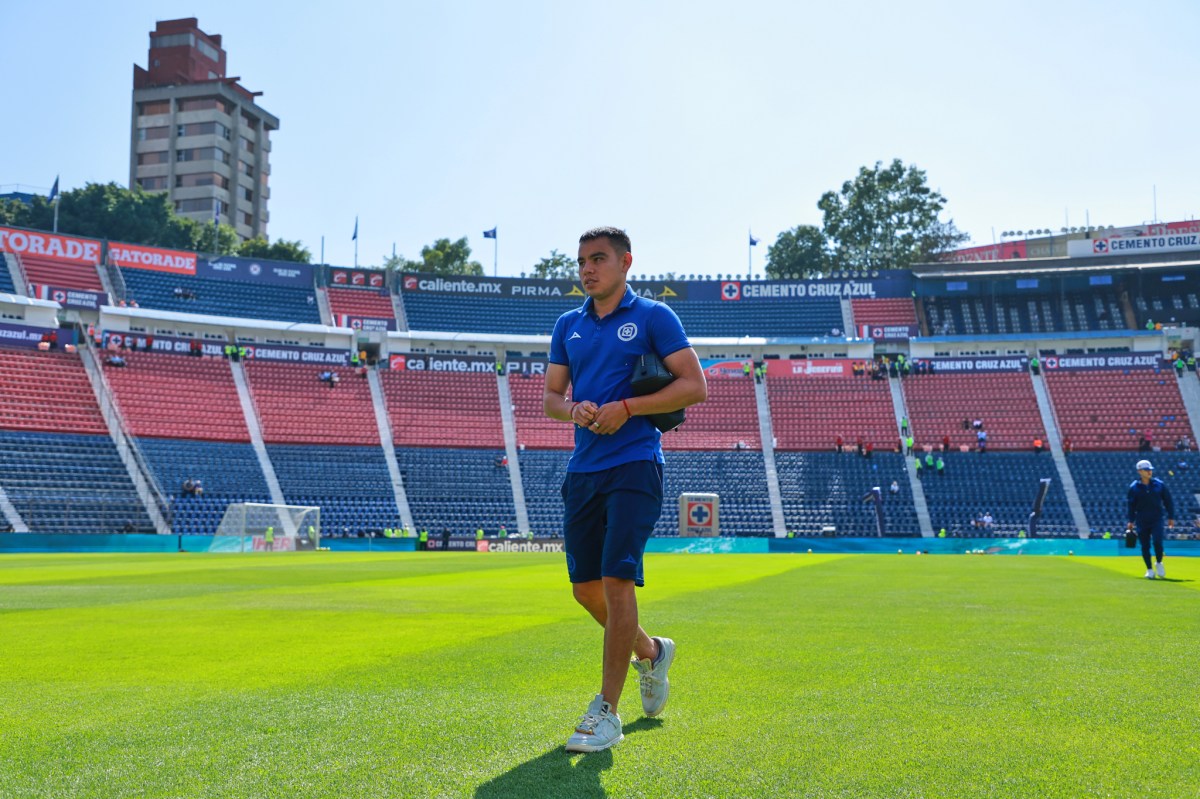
x=607, y=518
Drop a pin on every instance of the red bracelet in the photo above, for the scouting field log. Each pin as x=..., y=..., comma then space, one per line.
x=573, y=410
x=627, y=409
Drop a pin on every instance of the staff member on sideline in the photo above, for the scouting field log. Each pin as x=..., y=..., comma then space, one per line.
x=613, y=491
x=1148, y=498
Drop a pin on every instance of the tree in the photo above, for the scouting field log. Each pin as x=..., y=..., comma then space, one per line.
x=801, y=251
x=886, y=218
x=281, y=250
x=398, y=263
x=559, y=266
x=445, y=257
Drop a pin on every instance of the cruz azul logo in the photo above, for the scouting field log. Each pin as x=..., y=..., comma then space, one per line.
x=731, y=290
x=627, y=332
x=1100, y=246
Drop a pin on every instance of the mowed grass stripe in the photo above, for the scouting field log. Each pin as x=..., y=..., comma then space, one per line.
x=863, y=676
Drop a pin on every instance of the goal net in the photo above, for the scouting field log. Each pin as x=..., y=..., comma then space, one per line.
x=255, y=527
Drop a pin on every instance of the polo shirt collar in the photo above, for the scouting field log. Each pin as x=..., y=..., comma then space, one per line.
x=626, y=301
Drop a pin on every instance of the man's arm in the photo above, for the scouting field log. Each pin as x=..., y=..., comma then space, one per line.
x=1169, y=504
x=554, y=398
x=688, y=388
x=1132, y=500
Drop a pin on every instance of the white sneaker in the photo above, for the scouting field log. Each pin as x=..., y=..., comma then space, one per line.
x=1149, y=574
x=1159, y=570
x=652, y=678
x=599, y=728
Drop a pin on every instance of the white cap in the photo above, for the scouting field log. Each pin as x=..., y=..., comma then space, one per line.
x=1145, y=465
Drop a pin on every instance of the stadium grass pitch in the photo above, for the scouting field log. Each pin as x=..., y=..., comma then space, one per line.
x=458, y=675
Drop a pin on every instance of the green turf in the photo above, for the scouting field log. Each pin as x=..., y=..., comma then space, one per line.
x=458, y=675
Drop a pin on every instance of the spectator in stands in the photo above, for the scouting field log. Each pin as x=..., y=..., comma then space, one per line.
x=740, y=445
x=195, y=348
x=1038, y=445
x=133, y=303
x=177, y=292
x=1149, y=503
x=501, y=461
x=334, y=379
x=445, y=539
x=1066, y=445
x=945, y=443
x=894, y=488
x=325, y=376
x=940, y=465
x=128, y=526
x=858, y=444
x=1184, y=443
x=977, y=424
x=966, y=424
x=502, y=533
x=1146, y=442
x=870, y=450
x=189, y=488
x=839, y=444
x=929, y=460
x=613, y=488
x=116, y=360
x=981, y=441
x=988, y=521
x=199, y=487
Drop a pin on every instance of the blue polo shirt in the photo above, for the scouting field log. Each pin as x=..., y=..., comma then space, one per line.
x=601, y=354
x=1147, y=501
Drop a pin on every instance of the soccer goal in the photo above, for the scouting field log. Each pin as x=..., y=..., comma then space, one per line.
x=255, y=527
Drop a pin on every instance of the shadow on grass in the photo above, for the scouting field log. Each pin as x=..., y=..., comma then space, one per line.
x=560, y=773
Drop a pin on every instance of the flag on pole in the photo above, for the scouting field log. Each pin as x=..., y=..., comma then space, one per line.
x=355, y=236
x=753, y=241
x=54, y=189
x=489, y=234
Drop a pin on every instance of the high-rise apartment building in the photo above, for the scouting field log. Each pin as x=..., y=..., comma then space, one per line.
x=197, y=134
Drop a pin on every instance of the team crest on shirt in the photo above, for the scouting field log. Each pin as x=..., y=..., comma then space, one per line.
x=627, y=332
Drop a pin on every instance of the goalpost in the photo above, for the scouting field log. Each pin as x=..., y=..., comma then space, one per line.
x=260, y=527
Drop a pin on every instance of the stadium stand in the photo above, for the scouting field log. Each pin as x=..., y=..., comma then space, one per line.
x=64, y=274
x=1099, y=309
x=739, y=477
x=822, y=490
x=534, y=428
x=811, y=317
x=809, y=411
x=7, y=286
x=1003, y=484
x=485, y=314
x=542, y=475
x=69, y=483
x=220, y=297
x=295, y=407
x=444, y=409
x=896, y=311
x=1163, y=304
x=349, y=483
x=727, y=418
x=173, y=396
x=1113, y=409
x=370, y=303
x=939, y=403
x=47, y=391
x=229, y=472
x=458, y=490
x=1102, y=480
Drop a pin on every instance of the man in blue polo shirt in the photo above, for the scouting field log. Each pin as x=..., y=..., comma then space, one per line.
x=613, y=491
x=1149, y=502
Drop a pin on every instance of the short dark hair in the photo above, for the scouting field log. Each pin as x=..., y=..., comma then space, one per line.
x=618, y=238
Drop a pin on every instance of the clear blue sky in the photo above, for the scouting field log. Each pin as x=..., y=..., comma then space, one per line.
x=687, y=123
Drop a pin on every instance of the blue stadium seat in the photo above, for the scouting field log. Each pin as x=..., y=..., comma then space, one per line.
x=456, y=489
x=221, y=297
x=1102, y=481
x=825, y=489
x=350, y=484
x=69, y=483
x=229, y=473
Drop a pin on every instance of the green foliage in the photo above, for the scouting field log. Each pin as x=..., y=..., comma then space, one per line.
x=886, y=218
x=802, y=251
x=558, y=266
x=281, y=250
x=445, y=257
x=398, y=263
x=326, y=675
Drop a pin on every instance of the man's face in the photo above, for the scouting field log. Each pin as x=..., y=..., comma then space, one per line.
x=1145, y=474
x=601, y=270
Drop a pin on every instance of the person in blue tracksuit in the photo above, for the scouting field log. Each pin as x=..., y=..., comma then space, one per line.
x=1149, y=503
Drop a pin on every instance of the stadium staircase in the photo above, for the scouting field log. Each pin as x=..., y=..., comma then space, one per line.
x=389, y=450
x=11, y=514
x=1189, y=390
x=510, y=449
x=399, y=312
x=900, y=409
x=767, y=433
x=250, y=413
x=1054, y=440
x=148, y=491
x=848, y=320
x=323, y=307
